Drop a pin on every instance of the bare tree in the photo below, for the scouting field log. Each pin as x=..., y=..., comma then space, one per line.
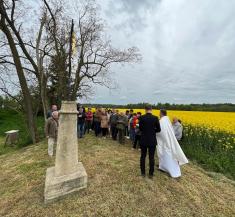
x=47, y=62
x=40, y=54
x=32, y=56
x=4, y=27
x=91, y=64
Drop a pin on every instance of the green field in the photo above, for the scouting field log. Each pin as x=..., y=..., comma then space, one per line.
x=213, y=150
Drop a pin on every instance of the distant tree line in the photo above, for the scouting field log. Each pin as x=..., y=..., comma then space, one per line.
x=10, y=103
x=220, y=107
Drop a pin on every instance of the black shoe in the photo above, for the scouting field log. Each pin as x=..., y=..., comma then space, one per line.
x=143, y=175
x=151, y=176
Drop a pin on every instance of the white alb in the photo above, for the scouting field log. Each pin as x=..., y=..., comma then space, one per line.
x=169, y=151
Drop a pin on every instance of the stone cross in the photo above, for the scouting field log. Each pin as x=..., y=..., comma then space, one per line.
x=68, y=175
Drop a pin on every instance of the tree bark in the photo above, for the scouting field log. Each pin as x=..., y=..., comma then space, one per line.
x=28, y=107
x=42, y=75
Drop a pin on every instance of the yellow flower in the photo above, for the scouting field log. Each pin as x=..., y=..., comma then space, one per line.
x=218, y=121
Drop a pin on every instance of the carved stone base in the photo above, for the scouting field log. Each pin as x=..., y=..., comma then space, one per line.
x=56, y=187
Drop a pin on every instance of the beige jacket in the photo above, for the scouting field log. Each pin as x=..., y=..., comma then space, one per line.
x=104, y=121
x=51, y=128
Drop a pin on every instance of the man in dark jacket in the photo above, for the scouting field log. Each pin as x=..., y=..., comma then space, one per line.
x=122, y=122
x=53, y=109
x=149, y=125
x=81, y=122
x=113, y=123
x=97, y=121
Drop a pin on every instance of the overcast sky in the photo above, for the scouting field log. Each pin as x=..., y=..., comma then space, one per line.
x=188, y=49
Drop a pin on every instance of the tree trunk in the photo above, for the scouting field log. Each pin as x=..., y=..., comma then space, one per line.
x=42, y=76
x=28, y=107
x=43, y=91
x=42, y=83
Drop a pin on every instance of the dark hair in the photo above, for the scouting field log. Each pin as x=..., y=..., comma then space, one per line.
x=163, y=112
x=179, y=121
x=131, y=110
x=139, y=113
x=148, y=107
x=134, y=114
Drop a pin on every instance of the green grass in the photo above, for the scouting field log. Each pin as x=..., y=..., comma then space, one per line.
x=199, y=144
x=214, y=151
x=11, y=120
x=115, y=187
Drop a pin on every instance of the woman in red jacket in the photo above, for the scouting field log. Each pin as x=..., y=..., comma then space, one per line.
x=89, y=119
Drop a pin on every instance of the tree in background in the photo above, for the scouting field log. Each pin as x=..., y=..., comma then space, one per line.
x=91, y=56
x=45, y=65
x=6, y=24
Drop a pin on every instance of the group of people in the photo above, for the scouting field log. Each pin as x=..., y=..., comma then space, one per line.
x=104, y=122
x=160, y=134
x=144, y=131
x=118, y=125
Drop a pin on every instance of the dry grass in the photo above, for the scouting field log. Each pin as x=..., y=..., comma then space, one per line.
x=115, y=187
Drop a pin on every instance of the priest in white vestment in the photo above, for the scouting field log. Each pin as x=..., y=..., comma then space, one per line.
x=170, y=154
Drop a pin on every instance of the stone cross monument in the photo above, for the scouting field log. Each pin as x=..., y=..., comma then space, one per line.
x=68, y=175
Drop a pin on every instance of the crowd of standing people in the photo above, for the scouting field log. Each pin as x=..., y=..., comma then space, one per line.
x=110, y=123
x=117, y=125
x=144, y=132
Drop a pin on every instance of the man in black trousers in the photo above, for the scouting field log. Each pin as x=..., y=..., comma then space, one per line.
x=149, y=125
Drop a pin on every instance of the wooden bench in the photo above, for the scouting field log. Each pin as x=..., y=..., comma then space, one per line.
x=12, y=137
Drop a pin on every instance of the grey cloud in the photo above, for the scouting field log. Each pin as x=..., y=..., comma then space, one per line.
x=188, y=50
x=134, y=12
x=123, y=98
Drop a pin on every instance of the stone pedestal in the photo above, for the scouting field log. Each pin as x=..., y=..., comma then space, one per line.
x=68, y=175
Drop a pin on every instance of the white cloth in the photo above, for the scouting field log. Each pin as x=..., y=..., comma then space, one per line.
x=169, y=151
x=178, y=130
x=51, y=143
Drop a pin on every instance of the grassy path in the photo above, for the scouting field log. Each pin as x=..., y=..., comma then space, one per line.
x=115, y=187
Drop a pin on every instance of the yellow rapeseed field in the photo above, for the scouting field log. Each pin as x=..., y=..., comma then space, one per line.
x=222, y=121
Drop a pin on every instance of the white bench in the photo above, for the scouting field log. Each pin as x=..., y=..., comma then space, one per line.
x=12, y=137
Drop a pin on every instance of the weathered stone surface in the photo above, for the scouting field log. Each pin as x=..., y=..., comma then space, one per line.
x=68, y=175
x=56, y=187
x=67, y=146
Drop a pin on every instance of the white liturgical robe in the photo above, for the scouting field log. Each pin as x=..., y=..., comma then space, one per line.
x=169, y=151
